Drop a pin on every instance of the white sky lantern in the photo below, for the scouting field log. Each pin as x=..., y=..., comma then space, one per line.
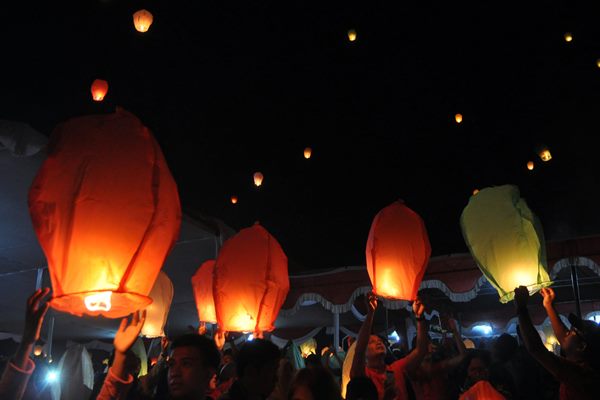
x=158, y=311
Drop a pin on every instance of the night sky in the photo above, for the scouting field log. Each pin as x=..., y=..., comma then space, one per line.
x=230, y=88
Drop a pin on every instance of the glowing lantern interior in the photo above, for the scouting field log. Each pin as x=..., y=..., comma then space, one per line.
x=506, y=240
x=98, y=301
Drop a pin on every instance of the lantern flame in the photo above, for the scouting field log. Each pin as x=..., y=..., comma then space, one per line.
x=98, y=301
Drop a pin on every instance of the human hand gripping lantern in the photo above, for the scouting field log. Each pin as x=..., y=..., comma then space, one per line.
x=506, y=240
x=106, y=212
x=397, y=252
x=250, y=282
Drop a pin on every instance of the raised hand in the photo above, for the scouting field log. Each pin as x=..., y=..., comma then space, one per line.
x=548, y=295
x=129, y=332
x=220, y=339
x=164, y=344
x=521, y=297
x=418, y=308
x=371, y=301
x=34, y=316
x=202, y=328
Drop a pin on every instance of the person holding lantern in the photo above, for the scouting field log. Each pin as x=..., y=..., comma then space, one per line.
x=370, y=352
x=579, y=371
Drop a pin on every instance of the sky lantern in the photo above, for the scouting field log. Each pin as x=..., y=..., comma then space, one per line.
x=250, y=282
x=458, y=118
x=234, y=199
x=545, y=155
x=568, y=37
x=530, y=165
x=202, y=284
x=506, y=240
x=352, y=35
x=308, y=347
x=106, y=212
x=475, y=191
x=307, y=152
x=598, y=63
x=142, y=20
x=258, y=178
x=99, y=89
x=158, y=311
x=397, y=252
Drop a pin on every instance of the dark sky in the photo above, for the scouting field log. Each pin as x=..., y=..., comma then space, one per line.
x=234, y=87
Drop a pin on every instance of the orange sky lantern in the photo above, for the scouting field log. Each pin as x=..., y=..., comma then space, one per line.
x=397, y=252
x=250, y=281
x=202, y=284
x=458, y=118
x=258, y=178
x=307, y=152
x=234, y=199
x=99, y=89
x=142, y=20
x=530, y=165
x=106, y=212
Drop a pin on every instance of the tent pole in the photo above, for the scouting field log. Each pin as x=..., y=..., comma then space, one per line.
x=50, y=336
x=575, y=283
x=336, y=331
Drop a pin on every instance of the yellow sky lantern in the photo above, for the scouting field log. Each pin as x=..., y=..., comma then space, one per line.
x=545, y=155
x=506, y=240
x=307, y=152
x=458, y=118
x=568, y=37
x=258, y=178
x=309, y=347
x=142, y=20
x=530, y=165
x=352, y=35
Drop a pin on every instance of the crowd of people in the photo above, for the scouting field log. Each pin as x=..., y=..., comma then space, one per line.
x=197, y=367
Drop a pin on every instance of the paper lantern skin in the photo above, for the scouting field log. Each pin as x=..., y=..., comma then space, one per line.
x=99, y=89
x=106, y=212
x=506, y=240
x=158, y=311
x=202, y=284
x=397, y=252
x=142, y=20
x=250, y=281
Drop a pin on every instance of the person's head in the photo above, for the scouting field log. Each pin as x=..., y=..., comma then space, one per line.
x=227, y=357
x=478, y=365
x=257, y=363
x=228, y=372
x=504, y=348
x=376, y=348
x=314, y=384
x=582, y=342
x=193, y=362
x=361, y=388
x=313, y=361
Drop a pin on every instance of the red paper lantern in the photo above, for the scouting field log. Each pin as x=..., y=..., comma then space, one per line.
x=250, y=281
x=202, y=283
x=106, y=211
x=99, y=89
x=398, y=251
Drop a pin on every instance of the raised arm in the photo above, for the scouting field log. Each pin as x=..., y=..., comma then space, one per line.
x=415, y=357
x=359, y=362
x=18, y=371
x=455, y=361
x=560, y=330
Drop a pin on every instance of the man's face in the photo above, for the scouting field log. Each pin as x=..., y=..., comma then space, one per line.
x=188, y=377
x=376, y=347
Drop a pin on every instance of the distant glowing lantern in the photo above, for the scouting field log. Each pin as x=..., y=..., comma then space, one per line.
x=142, y=20
x=258, y=178
x=352, y=35
x=37, y=350
x=250, y=281
x=530, y=165
x=568, y=37
x=106, y=212
x=202, y=284
x=234, y=199
x=309, y=347
x=598, y=63
x=99, y=89
x=458, y=118
x=475, y=191
x=397, y=252
x=469, y=344
x=158, y=311
x=307, y=152
x=545, y=155
x=506, y=240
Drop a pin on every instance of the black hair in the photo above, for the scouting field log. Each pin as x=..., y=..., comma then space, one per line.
x=256, y=353
x=319, y=381
x=208, y=351
x=361, y=388
x=313, y=360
